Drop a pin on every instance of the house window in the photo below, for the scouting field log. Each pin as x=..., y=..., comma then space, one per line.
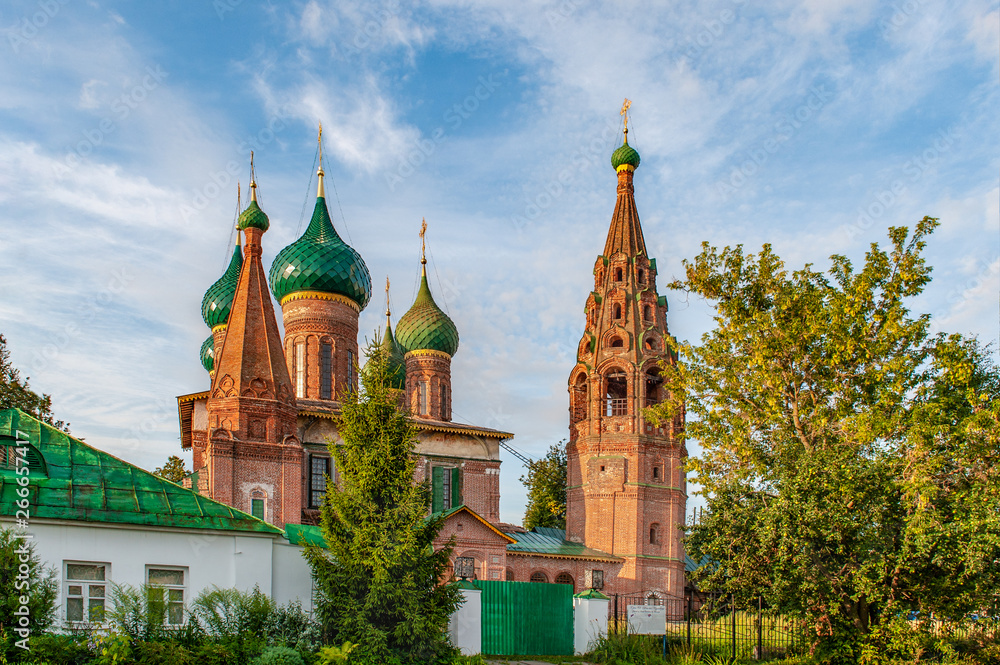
x=172, y=581
x=445, y=490
x=326, y=370
x=86, y=590
x=539, y=576
x=300, y=369
x=423, y=398
x=319, y=469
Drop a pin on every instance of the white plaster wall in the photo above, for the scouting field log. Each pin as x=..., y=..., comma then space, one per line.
x=292, y=579
x=219, y=558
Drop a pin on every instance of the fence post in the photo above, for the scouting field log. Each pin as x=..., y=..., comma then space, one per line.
x=733, y=608
x=760, y=628
x=689, y=594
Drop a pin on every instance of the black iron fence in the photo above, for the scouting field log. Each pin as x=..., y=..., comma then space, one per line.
x=716, y=623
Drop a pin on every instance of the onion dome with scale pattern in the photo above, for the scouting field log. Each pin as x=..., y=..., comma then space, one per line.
x=218, y=299
x=397, y=366
x=208, y=354
x=320, y=261
x=253, y=217
x=425, y=327
x=625, y=156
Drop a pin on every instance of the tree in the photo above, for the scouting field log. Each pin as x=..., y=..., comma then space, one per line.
x=173, y=470
x=23, y=577
x=546, y=483
x=380, y=579
x=15, y=393
x=849, y=458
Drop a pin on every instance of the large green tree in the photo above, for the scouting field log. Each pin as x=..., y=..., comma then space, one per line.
x=381, y=581
x=16, y=394
x=849, y=457
x=546, y=483
x=174, y=469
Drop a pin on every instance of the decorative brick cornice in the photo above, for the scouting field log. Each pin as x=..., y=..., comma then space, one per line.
x=427, y=352
x=319, y=295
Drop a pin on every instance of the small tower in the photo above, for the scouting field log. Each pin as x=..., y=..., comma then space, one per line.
x=208, y=355
x=626, y=485
x=254, y=459
x=429, y=339
x=397, y=366
x=322, y=285
x=218, y=301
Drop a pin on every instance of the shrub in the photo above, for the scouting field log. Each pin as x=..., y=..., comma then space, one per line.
x=163, y=653
x=22, y=574
x=279, y=656
x=140, y=612
x=60, y=649
x=111, y=649
x=333, y=655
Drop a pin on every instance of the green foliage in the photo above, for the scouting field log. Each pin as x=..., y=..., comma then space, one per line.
x=380, y=580
x=111, y=649
x=139, y=612
x=60, y=649
x=333, y=655
x=624, y=648
x=22, y=576
x=16, y=394
x=848, y=455
x=173, y=470
x=279, y=656
x=546, y=483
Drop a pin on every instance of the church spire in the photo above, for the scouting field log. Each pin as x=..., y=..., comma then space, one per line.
x=625, y=234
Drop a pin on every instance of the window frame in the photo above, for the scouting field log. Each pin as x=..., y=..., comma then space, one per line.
x=183, y=587
x=313, y=492
x=84, y=595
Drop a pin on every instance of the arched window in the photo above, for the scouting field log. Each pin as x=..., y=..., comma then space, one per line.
x=325, y=369
x=618, y=274
x=642, y=275
x=616, y=394
x=564, y=578
x=650, y=344
x=580, y=398
x=617, y=311
x=617, y=343
x=510, y=575
x=300, y=369
x=646, y=313
x=539, y=576
x=257, y=504
x=656, y=473
x=653, y=384
x=654, y=534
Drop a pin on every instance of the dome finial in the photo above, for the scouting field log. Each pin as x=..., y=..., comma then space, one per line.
x=388, y=311
x=253, y=180
x=624, y=113
x=423, y=246
x=320, y=191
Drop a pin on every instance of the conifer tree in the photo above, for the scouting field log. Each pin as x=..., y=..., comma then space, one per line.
x=380, y=581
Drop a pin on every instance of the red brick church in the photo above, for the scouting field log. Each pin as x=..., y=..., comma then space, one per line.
x=259, y=433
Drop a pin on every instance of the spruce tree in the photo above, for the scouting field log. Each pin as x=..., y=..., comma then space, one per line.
x=380, y=581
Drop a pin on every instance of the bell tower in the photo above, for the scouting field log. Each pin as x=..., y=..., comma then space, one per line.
x=626, y=489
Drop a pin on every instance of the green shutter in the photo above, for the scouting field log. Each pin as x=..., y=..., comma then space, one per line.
x=456, y=494
x=437, y=489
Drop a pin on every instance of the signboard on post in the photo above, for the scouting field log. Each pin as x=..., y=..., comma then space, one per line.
x=647, y=619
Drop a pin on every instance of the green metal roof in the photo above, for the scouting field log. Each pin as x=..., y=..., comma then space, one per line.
x=83, y=483
x=208, y=353
x=425, y=326
x=304, y=534
x=397, y=367
x=547, y=541
x=218, y=300
x=626, y=154
x=321, y=261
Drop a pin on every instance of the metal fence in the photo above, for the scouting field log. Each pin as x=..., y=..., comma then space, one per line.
x=715, y=623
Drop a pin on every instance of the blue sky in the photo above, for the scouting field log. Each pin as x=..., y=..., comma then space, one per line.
x=812, y=126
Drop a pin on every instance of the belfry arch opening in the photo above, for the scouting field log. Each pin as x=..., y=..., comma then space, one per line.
x=654, y=386
x=579, y=411
x=616, y=393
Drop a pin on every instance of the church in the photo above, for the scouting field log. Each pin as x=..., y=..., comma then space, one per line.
x=259, y=432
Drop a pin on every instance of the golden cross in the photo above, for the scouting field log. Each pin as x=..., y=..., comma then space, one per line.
x=625, y=108
x=387, y=297
x=253, y=179
x=320, y=141
x=423, y=246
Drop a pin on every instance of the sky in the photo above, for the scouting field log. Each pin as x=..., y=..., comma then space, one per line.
x=125, y=126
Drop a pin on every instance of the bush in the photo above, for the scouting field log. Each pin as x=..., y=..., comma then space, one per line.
x=60, y=649
x=279, y=656
x=22, y=574
x=163, y=653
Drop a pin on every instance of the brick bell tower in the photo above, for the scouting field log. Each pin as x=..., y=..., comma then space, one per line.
x=322, y=284
x=254, y=458
x=626, y=488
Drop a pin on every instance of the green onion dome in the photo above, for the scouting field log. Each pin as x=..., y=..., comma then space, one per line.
x=425, y=327
x=253, y=217
x=208, y=354
x=218, y=299
x=320, y=261
x=397, y=367
x=624, y=157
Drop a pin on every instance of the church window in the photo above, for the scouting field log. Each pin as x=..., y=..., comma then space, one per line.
x=326, y=370
x=444, y=398
x=642, y=276
x=580, y=398
x=618, y=274
x=351, y=378
x=171, y=580
x=653, y=384
x=510, y=575
x=319, y=469
x=86, y=591
x=617, y=311
x=300, y=369
x=539, y=576
x=445, y=488
x=616, y=395
x=656, y=473
x=646, y=313
x=654, y=534
x=617, y=343
x=564, y=578
x=650, y=344
x=424, y=410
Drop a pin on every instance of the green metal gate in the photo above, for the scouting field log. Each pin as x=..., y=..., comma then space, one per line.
x=527, y=618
